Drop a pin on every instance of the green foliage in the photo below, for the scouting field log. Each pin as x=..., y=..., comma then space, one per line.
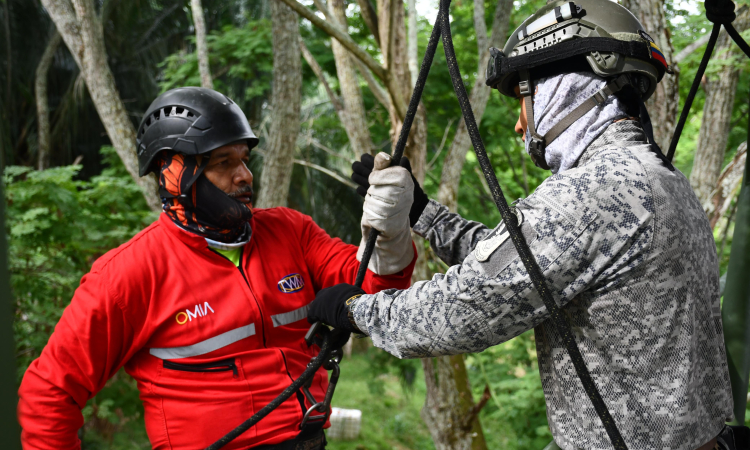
x=58, y=225
x=516, y=414
x=390, y=413
x=240, y=53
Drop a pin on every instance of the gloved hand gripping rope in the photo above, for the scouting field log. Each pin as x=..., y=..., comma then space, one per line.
x=721, y=12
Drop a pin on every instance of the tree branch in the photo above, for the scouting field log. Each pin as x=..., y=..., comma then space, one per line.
x=685, y=52
x=370, y=18
x=474, y=411
x=377, y=90
x=319, y=73
x=324, y=9
x=321, y=169
x=339, y=35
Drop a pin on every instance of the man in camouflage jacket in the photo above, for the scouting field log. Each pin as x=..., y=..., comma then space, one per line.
x=630, y=258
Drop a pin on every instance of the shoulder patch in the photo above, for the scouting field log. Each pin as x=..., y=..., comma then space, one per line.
x=486, y=247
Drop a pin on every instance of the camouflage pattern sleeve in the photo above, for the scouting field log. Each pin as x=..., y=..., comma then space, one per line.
x=489, y=298
x=450, y=235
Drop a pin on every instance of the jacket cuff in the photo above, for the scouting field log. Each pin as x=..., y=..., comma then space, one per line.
x=424, y=223
x=359, y=312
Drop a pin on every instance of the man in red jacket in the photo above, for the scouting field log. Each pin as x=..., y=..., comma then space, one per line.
x=206, y=308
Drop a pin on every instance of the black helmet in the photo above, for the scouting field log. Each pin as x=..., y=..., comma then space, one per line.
x=564, y=37
x=191, y=121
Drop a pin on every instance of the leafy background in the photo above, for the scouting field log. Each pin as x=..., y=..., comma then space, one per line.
x=61, y=220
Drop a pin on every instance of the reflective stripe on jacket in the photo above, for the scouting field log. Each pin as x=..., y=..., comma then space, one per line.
x=209, y=343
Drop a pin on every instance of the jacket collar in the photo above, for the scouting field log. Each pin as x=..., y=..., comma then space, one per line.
x=190, y=239
x=623, y=133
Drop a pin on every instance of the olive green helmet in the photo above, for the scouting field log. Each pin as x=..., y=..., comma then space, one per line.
x=592, y=35
x=585, y=36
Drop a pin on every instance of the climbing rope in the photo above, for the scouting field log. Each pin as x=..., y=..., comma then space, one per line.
x=720, y=12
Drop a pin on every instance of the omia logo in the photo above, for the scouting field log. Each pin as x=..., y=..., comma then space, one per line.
x=291, y=283
x=184, y=316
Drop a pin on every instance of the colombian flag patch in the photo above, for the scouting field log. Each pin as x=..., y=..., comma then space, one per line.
x=657, y=54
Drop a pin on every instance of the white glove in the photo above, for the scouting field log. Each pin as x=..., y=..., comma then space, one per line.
x=386, y=209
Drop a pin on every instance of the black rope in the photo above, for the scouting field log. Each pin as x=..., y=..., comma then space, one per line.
x=737, y=38
x=312, y=367
x=535, y=273
x=398, y=152
x=693, y=90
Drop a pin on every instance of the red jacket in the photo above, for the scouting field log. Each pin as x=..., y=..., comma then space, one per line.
x=208, y=343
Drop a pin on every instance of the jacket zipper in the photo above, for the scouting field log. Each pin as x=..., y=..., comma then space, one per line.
x=300, y=397
x=218, y=366
x=260, y=311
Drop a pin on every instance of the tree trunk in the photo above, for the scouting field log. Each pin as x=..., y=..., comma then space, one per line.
x=480, y=94
x=662, y=106
x=201, y=45
x=353, y=118
x=286, y=97
x=449, y=409
x=412, y=49
x=81, y=31
x=42, y=104
x=717, y=115
x=727, y=186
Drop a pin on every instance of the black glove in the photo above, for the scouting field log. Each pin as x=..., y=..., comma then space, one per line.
x=361, y=172
x=331, y=306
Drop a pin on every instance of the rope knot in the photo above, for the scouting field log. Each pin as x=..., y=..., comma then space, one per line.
x=720, y=11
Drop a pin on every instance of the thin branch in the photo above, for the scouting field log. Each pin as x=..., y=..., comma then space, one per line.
x=324, y=9
x=685, y=52
x=442, y=144
x=156, y=24
x=474, y=411
x=370, y=17
x=319, y=73
x=336, y=32
x=483, y=180
x=329, y=172
x=377, y=90
x=316, y=143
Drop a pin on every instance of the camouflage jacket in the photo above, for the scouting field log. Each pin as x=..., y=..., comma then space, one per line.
x=629, y=255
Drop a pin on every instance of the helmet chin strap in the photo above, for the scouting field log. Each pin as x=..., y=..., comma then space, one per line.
x=539, y=143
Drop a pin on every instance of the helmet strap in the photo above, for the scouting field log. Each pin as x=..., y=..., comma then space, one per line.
x=536, y=143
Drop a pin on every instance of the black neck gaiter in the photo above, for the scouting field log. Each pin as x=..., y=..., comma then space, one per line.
x=197, y=205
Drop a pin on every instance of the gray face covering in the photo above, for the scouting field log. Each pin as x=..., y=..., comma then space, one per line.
x=554, y=99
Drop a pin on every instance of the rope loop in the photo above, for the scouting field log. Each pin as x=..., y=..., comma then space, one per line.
x=720, y=11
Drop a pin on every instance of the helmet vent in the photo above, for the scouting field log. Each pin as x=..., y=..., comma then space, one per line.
x=167, y=111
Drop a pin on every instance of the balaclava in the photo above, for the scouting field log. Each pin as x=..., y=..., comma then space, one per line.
x=197, y=205
x=554, y=99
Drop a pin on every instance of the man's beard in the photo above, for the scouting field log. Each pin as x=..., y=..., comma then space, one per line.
x=247, y=189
